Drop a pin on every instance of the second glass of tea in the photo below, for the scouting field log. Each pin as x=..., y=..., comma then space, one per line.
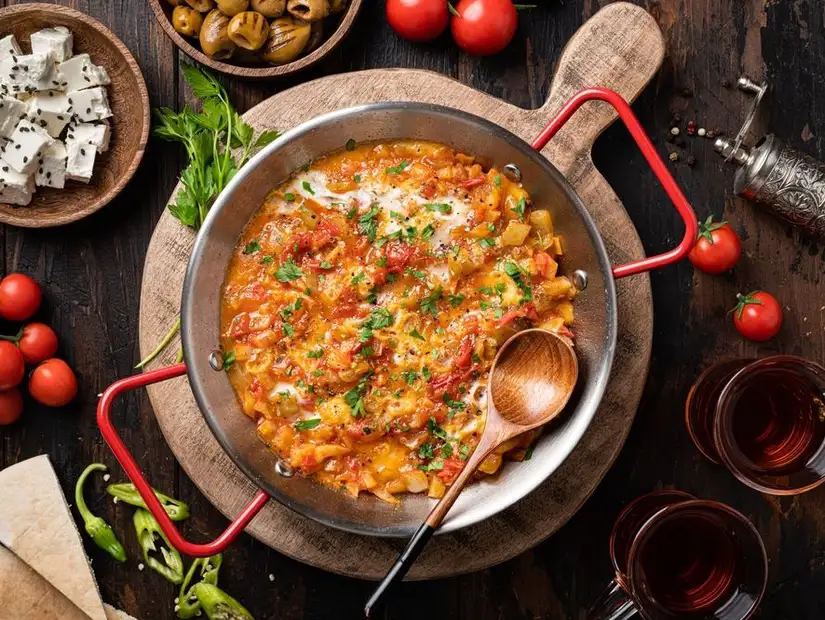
x=764, y=420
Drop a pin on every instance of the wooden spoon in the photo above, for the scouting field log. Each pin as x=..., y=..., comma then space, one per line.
x=531, y=380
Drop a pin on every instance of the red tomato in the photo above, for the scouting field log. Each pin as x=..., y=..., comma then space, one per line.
x=38, y=343
x=12, y=365
x=11, y=406
x=717, y=247
x=484, y=27
x=418, y=20
x=465, y=353
x=757, y=315
x=19, y=297
x=53, y=383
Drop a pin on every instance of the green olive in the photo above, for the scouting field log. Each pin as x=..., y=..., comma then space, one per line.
x=288, y=37
x=187, y=21
x=269, y=8
x=215, y=41
x=248, y=30
x=338, y=6
x=308, y=10
x=231, y=8
x=204, y=6
x=316, y=35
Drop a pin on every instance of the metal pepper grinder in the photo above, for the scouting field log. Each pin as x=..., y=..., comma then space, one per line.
x=789, y=183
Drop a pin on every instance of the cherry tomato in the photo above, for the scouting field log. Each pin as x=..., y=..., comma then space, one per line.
x=757, y=316
x=12, y=365
x=11, y=406
x=53, y=383
x=19, y=297
x=38, y=343
x=717, y=247
x=484, y=27
x=418, y=20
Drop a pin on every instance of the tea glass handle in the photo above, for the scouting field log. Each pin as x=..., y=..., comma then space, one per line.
x=614, y=604
x=659, y=169
x=127, y=461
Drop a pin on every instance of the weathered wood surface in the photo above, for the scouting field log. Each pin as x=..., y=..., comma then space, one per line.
x=620, y=48
x=92, y=272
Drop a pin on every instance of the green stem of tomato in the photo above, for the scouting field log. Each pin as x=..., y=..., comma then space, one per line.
x=15, y=339
x=452, y=10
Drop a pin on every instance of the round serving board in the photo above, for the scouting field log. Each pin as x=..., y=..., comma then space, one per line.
x=621, y=48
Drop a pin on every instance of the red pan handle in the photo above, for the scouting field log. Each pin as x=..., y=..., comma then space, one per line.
x=124, y=457
x=659, y=169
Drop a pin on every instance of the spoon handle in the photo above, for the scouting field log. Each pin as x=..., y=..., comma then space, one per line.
x=422, y=536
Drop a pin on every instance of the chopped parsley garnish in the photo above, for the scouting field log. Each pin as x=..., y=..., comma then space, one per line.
x=397, y=216
x=307, y=187
x=456, y=249
x=427, y=232
x=397, y=393
x=315, y=354
x=520, y=207
x=351, y=213
x=415, y=273
x=378, y=318
x=288, y=330
x=455, y=300
x=289, y=309
x=266, y=260
x=367, y=224
x=381, y=262
x=497, y=180
x=366, y=351
x=426, y=373
x=289, y=271
x=325, y=265
x=484, y=305
x=252, y=247
x=441, y=207
x=500, y=288
x=491, y=227
x=487, y=242
x=416, y=334
x=426, y=451
x=357, y=178
x=446, y=450
x=476, y=359
x=435, y=430
x=289, y=197
x=350, y=145
x=355, y=397
x=455, y=405
x=486, y=290
x=464, y=451
x=305, y=425
x=409, y=376
x=358, y=278
x=228, y=359
x=528, y=455
x=434, y=465
x=517, y=275
x=428, y=304
x=398, y=169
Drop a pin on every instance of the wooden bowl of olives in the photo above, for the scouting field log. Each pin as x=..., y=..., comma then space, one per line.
x=256, y=39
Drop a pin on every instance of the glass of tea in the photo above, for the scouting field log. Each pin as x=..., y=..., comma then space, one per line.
x=679, y=557
x=764, y=420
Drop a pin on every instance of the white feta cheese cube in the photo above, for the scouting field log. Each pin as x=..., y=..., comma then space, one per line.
x=52, y=169
x=93, y=133
x=50, y=110
x=9, y=47
x=56, y=41
x=80, y=72
x=28, y=74
x=27, y=142
x=80, y=161
x=11, y=112
x=15, y=188
x=91, y=104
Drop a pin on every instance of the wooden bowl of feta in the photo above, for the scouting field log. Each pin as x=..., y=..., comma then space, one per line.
x=74, y=115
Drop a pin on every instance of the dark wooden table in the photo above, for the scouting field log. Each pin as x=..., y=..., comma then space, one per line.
x=91, y=274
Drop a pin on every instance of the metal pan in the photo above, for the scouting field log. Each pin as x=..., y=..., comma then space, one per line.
x=585, y=260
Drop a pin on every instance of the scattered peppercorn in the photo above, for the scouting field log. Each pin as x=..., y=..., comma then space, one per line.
x=691, y=128
x=674, y=131
x=674, y=156
x=701, y=132
x=691, y=161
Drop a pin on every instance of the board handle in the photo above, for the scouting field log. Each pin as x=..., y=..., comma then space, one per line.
x=659, y=169
x=127, y=461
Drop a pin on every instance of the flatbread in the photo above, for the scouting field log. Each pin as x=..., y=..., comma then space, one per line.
x=25, y=595
x=36, y=525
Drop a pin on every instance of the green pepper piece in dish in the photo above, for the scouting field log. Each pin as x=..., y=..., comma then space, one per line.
x=126, y=492
x=164, y=559
x=218, y=605
x=188, y=604
x=100, y=531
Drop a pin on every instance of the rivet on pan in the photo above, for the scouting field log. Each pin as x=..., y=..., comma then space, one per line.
x=512, y=172
x=216, y=360
x=579, y=279
x=283, y=469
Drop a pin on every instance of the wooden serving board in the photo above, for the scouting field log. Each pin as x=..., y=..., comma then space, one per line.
x=621, y=48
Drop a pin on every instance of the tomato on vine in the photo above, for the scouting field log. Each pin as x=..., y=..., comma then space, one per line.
x=757, y=315
x=19, y=297
x=11, y=406
x=717, y=247
x=418, y=20
x=485, y=27
x=53, y=383
x=12, y=365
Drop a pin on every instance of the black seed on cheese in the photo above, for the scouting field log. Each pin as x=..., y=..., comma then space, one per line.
x=25, y=159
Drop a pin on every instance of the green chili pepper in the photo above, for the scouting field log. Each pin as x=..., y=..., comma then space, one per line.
x=188, y=604
x=218, y=605
x=126, y=492
x=100, y=531
x=165, y=559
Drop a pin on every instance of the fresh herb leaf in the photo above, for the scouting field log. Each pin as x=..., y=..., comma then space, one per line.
x=455, y=300
x=357, y=178
x=409, y=376
x=427, y=232
x=315, y=354
x=434, y=465
x=358, y=278
x=529, y=453
x=305, y=425
x=266, y=260
x=520, y=208
x=464, y=451
x=446, y=450
x=428, y=304
x=288, y=330
x=378, y=319
x=325, y=264
x=456, y=405
x=289, y=271
x=355, y=397
x=381, y=262
x=425, y=451
x=367, y=224
x=252, y=247
x=517, y=275
x=228, y=359
x=440, y=207
x=497, y=180
x=266, y=137
x=416, y=334
x=308, y=188
x=289, y=197
x=425, y=372
x=398, y=169
x=435, y=430
x=487, y=242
